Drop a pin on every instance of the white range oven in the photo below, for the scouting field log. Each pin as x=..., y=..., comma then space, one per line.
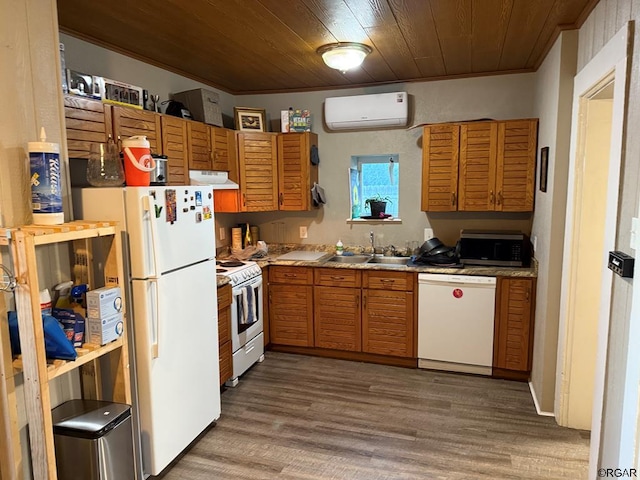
x=247, y=339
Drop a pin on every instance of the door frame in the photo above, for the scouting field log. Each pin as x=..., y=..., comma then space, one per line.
x=610, y=63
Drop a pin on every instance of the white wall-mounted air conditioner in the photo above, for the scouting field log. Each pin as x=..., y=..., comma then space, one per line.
x=366, y=111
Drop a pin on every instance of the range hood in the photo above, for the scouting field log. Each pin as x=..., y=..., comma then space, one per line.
x=218, y=180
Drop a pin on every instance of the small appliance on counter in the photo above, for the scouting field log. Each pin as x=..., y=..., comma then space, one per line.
x=159, y=175
x=495, y=249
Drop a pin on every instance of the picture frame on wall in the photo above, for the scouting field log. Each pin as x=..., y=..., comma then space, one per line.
x=544, y=168
x=250, y=119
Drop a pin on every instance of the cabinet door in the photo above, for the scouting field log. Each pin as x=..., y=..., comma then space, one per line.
x=87, y=121
x=223, y=146
x=388, y=321
x=337, y=318
x=257, y=160
x=477, y=182
x=200, y=153
x=296, y=174
x=516, y=165
x=440, y=168
x=513, y=329
x=291, y=314
x=128, y=122
x=174, y=146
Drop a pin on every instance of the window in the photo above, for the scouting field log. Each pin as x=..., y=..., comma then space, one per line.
x=371, y=176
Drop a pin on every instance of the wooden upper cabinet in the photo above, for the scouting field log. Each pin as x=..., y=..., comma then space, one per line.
x=477, y=179
x=296, y=174
x=440, y=147
x=223, y=143
x=87, y=121
x=200, y=153
x=174, y=146
x=258, y=166
x=513, y=332
x=128, y=122
x=479, y=166
x=516, y=166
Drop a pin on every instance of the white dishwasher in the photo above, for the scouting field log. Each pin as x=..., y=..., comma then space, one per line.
x=455, y=322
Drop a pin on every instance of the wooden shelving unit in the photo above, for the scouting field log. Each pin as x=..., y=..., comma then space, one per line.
x=94, y=238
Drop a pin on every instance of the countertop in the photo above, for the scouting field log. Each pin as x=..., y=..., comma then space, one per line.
x=276, y=251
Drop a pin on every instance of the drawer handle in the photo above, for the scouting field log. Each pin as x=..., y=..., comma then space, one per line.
x=491, y=198
x=291, y=275
x=244, y=199
x=500, y=198
x=453, y=199
x=336, y=277
x=281, y=198
x=387, y=280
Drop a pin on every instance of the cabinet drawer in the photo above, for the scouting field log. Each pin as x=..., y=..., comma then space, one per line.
x=224, y=296
x=291, y=275
x=337, y=277
x=384, y=280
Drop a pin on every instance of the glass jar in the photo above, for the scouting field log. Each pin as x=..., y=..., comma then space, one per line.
x=104, y=168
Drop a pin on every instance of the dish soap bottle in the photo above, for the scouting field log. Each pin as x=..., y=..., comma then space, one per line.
x=339, y=247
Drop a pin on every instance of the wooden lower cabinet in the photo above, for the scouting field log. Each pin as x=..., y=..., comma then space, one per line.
x=355, y=314
x=513, y=332
x=389, y=322
x=291, y=306
x=337, y=318
x=224, y=333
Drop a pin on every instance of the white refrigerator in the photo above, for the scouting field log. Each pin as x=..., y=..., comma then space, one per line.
x=170, y=240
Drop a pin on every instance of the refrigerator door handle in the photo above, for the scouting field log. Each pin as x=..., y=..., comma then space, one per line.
x=149, y=206
x=155, y=349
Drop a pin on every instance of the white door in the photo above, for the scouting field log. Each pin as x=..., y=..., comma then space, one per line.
x=176, y=329
x=169, y=227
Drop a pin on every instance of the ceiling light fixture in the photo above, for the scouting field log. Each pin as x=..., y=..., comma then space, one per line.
x=344, y=56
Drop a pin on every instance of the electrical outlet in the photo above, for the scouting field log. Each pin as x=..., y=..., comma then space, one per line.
x=428, y=234
x=222, y=234
x=303, y=232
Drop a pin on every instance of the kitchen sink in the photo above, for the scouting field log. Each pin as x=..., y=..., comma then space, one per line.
x=349, y=258
x=400, y=261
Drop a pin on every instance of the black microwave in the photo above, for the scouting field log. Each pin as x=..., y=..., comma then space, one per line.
x=498, y=249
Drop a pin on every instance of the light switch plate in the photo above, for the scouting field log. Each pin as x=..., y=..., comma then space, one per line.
x=303, y=232
x=428, y=234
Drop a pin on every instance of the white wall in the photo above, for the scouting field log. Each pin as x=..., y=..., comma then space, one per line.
x=553, y=100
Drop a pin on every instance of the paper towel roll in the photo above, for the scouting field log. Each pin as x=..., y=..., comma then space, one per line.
x=236, y=238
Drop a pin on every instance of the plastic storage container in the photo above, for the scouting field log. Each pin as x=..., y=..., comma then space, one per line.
x=93, y=440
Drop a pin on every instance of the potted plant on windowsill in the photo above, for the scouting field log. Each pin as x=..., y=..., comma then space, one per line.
x=378, y=205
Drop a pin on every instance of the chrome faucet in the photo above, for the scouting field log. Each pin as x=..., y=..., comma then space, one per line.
x=373, y=248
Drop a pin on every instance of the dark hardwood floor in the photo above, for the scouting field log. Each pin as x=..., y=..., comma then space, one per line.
x=308, y=418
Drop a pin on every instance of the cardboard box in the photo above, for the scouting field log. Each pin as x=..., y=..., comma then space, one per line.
x=83, y=84
x=300, y=121
x=73, y=325
x=204, y=105
x=100, y=331
x=285, y=121
x=104, y=302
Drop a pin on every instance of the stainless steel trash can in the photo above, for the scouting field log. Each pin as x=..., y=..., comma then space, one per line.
x=93, y=440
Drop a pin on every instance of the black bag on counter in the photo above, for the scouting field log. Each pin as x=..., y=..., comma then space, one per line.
x=434, y=252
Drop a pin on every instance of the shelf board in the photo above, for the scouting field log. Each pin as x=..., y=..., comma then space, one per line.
x=86, y=354
x=65, y=232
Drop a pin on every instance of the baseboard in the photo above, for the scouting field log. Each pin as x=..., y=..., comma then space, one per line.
x=535, y=402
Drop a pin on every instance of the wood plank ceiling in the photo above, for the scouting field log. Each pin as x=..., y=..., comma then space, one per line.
x=260, y=46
